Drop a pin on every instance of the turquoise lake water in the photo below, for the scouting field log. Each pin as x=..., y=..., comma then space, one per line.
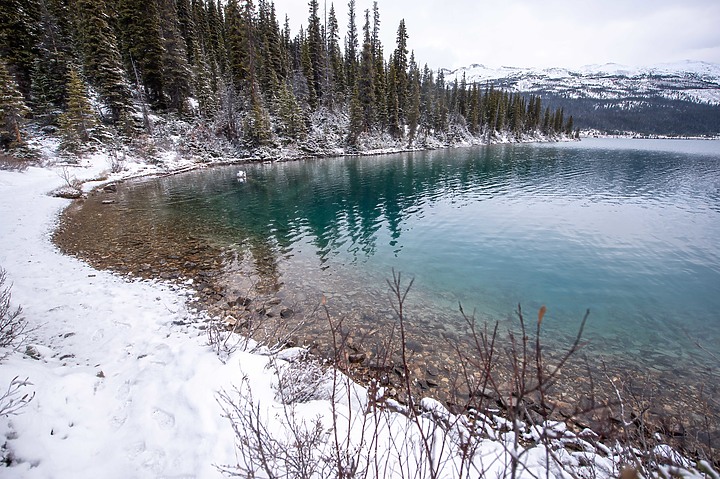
x=627, y=228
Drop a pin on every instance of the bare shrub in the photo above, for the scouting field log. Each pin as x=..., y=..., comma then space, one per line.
x=13, y=329
x=296, y=452
x=13, y=399
x=12, y=324
x=304, y=379
x=502, y=425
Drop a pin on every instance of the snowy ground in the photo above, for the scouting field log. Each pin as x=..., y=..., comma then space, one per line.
x=119, y=391
x=126, y=386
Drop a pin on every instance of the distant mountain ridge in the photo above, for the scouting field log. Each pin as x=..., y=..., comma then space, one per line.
x=672, y=98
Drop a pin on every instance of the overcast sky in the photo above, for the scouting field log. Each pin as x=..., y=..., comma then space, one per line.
x=539, y=33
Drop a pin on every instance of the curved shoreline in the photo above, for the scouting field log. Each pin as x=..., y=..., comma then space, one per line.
x=216, y=295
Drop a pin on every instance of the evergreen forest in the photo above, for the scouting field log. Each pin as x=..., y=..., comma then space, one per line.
x=101, y=70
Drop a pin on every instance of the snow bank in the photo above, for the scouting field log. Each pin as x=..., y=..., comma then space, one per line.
x=119, y=390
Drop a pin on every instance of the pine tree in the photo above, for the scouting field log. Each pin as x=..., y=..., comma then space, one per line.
x=427, y=99
x=54, y=56
x=204, y=92
x=366, y=78
x=393, y=111
x=351, y=49
x=79, y=121
x=236, y=42
x=558, y=121
x=546, y=122
x=401, y=68
x=12, y=109
x=176, y=70
x=379, y=74
x=258, y=125
x=19, y=35
x=441, y=107
x=101, y=57
x=186, y=27
x=316, y=51
x=141, y=44
x=569, y=127
x=216, y=41
x=413, y=110
x=307, y=70
x=474, y=110
x=290, y=114
x=335, y=56
x=272, y=67
x=357, y=118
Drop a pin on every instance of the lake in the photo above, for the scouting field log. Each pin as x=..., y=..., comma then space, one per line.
x=627, y=228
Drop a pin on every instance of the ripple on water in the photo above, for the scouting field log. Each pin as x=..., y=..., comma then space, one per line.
x=625, y=229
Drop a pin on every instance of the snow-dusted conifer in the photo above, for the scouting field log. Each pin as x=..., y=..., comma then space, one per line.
x=351, y=49
x=290, y=114
x=177, y=74
x=101, y=56
x=366, y=78
x=335, y=56
x=79, y=121
x=19, y=36
x=13, y=109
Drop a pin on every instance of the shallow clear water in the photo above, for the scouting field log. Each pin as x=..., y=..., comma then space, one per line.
x=627, y=228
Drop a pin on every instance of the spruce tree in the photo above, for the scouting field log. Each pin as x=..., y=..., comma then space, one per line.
x=186, y=26
x=19, y=36
x=290, y=114
x=272, y=67
x=204, y=91
x=413, y=110
x=316, y=50
x=462, y=97
x=142, y=45
x=55, y=54
x=308, y=72
x=546, y=122
x=357, y=118
x=13, y=109
x=474, y=110
x=379, y=74
x=401, y=68
x=177, y=74
x=393, y=109
x=236, y=41
x=101, y=57
x=79, y=121
x=351, y=49
x=558, y=121
x=257, y=125
x=441, y=107
x=366, y=78
x=335, y=56
x=569, y=128
x=242, y=43
x=427, y=99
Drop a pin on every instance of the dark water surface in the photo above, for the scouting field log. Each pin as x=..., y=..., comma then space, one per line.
x=627, y=228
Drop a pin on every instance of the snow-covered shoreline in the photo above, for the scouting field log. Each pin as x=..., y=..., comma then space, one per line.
x=119, y=390
x=124, y=382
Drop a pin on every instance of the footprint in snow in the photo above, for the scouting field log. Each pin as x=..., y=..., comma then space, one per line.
x=164, y=419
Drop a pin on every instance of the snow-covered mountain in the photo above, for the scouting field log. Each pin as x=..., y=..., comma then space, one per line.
x=672, y=98
x=687, y=81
